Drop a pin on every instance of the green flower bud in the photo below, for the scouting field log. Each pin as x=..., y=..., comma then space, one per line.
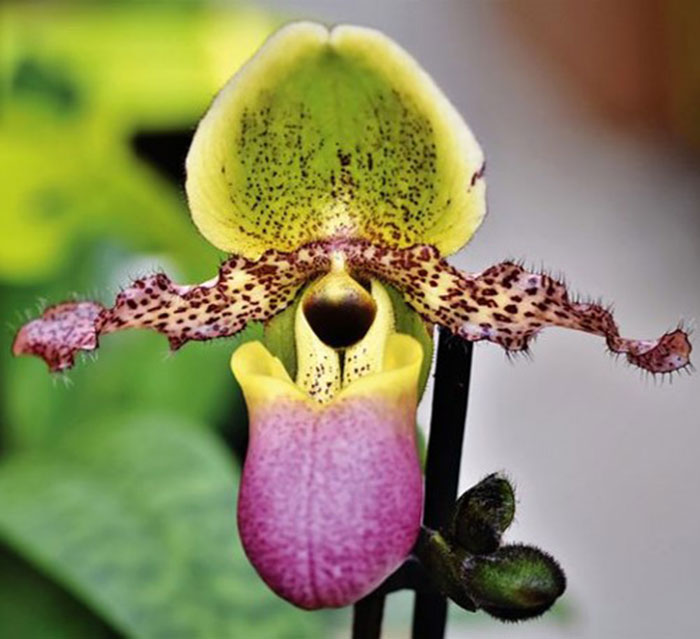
x=514, y=583
x=482, y=514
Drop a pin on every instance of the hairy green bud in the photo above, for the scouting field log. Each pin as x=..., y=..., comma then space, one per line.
x=514, y=583
x=482, y=514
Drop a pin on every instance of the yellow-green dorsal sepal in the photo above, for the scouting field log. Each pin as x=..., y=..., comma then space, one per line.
x=329, y=133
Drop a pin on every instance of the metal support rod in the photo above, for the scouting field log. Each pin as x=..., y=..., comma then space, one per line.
x=447, y=421
x=367, y=616
x=449, y=412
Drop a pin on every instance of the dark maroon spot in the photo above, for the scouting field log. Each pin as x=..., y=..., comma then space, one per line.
x=478, y=174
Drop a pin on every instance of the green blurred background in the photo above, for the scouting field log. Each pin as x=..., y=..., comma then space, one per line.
x=118, y=479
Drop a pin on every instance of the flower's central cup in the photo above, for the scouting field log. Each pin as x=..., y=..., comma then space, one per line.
x=331, y=493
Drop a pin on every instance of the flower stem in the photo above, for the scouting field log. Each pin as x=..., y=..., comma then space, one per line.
x=367, y=616
x=449, y=412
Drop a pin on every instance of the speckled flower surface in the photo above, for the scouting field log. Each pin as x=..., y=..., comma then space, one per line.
x=337, y=175
x=331, y=495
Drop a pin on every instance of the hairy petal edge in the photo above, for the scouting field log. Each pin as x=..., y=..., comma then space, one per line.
x=244, y=291
x=507, y=305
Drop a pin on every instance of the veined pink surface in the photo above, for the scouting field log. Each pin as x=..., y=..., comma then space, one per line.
x=331, y=497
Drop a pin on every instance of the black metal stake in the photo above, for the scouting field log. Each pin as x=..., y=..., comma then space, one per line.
x=367, y=616
x=449, y=413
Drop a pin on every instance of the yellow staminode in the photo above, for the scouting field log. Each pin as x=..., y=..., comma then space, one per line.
x=333, y=132
x=368, y=355
x=264, y=379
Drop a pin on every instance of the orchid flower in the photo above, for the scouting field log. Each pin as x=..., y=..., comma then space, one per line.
x=336, y=174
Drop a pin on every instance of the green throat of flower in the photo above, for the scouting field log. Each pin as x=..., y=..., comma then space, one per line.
x=341, y=326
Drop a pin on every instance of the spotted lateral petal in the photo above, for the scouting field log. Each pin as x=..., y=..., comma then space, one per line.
x=506, y=304
x=244, y=291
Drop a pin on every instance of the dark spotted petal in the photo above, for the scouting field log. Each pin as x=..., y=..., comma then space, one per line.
x=506, y=304
x=330, y=132
x=244, y=291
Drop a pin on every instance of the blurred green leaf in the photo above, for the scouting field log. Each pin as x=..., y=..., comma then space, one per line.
x=76, y=84
x=136, y=516
x=33, y=607
x=133, y=370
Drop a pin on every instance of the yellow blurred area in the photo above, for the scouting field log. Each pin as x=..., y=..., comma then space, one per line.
x=77, y=82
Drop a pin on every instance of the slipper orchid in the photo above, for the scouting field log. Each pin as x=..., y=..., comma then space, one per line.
x=334, y=171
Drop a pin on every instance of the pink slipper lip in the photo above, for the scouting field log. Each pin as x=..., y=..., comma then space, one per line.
x=331, y=495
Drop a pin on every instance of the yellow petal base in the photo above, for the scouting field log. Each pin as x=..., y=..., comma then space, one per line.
x=264, y=379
